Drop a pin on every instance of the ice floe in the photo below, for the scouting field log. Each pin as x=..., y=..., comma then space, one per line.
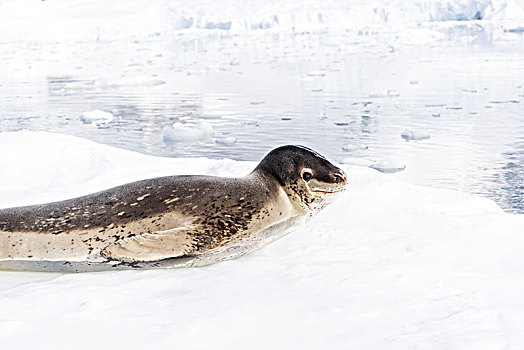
x=187, y=131
x=354, y=147
x=388, y=93
x=387, y=265
x=384, y=166
x=96, y=116
x=388, y=166
x=227, y=140
x=411, y=135
x=129, y=82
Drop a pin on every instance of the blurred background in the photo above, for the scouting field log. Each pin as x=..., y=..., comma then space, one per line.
x=429, y=91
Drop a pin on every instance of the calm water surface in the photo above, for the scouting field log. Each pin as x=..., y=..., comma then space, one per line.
x=262, y=90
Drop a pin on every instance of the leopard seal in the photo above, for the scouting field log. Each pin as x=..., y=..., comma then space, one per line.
x=174, y=221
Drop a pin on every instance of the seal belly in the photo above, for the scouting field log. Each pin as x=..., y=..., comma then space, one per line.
x=80, y=245
x=231, y=232
x=42, y=246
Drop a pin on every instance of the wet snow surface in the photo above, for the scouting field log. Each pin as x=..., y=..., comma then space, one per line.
x=422, y=103
x=388, y=265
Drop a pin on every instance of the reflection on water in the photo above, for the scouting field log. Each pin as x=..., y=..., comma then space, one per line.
x=513, y=186
x=259, y=91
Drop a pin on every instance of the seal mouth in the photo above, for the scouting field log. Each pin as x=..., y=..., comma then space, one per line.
x=338, y=183
x=332, y=190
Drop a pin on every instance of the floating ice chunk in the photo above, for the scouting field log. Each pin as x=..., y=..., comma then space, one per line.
x=388, y=166
x=250, y=122
x=209, y=116
x=316, y=73
x=363, y=103
x=393, y=93
x=378, y=94
x=229, y=140
x=354, y=147
x=181, y=132
x=130, y=82
x=409, y=135
x=418, y=36
x=389, y=93
x=507, y=101
x=97, y=116
x=218, y=25
x=384, y=166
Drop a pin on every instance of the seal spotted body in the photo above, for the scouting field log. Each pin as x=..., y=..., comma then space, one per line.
x=174, y=221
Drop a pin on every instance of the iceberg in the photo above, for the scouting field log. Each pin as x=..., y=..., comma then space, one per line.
x=92, y=20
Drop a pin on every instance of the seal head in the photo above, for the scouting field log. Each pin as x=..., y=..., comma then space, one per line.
x=308, y=178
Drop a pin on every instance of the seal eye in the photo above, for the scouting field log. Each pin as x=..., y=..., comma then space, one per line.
x=306, y=175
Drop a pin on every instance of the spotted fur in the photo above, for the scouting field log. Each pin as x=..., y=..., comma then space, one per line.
x=191, y=219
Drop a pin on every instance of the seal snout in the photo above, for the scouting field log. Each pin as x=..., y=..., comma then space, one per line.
x=339, y=177
x=334, y=181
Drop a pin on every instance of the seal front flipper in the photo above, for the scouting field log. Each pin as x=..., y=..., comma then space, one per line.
x=150, y=247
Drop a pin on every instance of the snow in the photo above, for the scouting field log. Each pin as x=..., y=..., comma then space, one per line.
x=388, y=265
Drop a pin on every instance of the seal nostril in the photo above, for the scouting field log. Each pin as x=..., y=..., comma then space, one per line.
x=339, y=177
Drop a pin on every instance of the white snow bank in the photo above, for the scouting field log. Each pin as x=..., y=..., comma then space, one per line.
x=388, y=265
x=58, y=20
